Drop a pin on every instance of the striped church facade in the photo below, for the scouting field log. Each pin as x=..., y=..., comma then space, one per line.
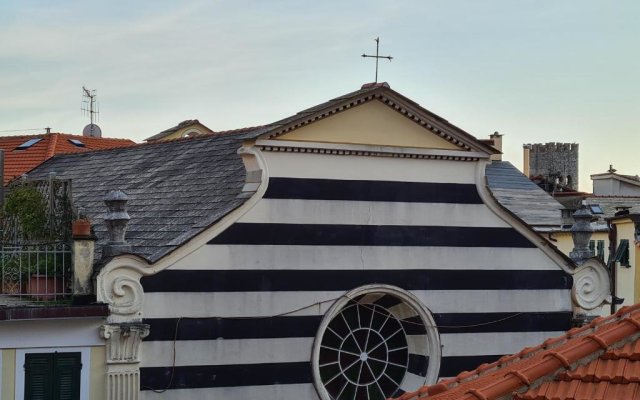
x=414, y=245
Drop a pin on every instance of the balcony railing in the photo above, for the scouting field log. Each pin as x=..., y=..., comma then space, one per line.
x=35, y=272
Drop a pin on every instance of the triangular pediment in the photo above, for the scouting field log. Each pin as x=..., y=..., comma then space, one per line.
x=372, y=123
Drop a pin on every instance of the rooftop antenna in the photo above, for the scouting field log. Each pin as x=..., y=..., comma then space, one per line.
x=89, y=107
x=377, y=57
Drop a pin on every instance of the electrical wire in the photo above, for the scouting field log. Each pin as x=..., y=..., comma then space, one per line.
x=23, y=130
x=316, y=304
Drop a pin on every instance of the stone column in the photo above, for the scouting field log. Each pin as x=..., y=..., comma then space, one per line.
x=123, y=362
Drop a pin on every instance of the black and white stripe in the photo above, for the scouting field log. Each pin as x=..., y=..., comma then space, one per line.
x=235, y=307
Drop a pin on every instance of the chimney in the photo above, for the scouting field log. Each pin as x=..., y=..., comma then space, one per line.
x=116, y=221
x=581, y=233
x=526, y=149
x=497, y=144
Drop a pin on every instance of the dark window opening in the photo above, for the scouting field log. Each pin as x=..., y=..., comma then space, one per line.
x=622, y=253
x=52, y=376
x=76, y=143
x=596, y=209
x=600, y=250
x=28, y=144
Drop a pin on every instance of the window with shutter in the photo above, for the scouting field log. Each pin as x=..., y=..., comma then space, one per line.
x=38, y=377
x=622, y=253
x=601, y=250
x=52, y=376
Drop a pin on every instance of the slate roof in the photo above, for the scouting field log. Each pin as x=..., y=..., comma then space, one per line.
x=609, y=204
x=597, y=361
x=522, y=197
x=17, y=162
x=176, y=188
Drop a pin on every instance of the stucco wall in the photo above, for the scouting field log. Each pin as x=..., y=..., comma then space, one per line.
x=371, y=123
x=626, y=276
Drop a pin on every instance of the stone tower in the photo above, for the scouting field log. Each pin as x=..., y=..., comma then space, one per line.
x=555, y=163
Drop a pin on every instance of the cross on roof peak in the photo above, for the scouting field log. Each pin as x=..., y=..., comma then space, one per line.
x=377, y=57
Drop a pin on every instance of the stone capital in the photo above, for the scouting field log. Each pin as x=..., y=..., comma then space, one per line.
x=123, y=341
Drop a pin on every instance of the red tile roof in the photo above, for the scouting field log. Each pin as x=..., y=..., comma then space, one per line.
x=597, y=361
x=18, y=162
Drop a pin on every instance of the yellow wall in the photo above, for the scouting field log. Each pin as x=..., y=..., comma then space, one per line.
x=8, y=374
x=634, y=259
x=98, y=373
x=626, y=278
x=564, y=242
x=372, y=123
x=180, y=132
x=174, y=135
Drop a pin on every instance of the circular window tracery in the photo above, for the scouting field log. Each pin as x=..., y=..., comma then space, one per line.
x=375, y=343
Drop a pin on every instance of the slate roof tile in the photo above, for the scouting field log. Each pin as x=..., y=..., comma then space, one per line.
x=522, y=197
x=170, y=188
x=197, y=180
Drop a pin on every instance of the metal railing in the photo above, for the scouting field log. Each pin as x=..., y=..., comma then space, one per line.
x=35, y=272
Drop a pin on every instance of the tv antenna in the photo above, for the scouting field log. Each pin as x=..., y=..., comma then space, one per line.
x=377, y=57
x=89, y=106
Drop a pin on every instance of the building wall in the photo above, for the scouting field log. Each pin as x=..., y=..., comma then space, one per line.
x=626, y=276
x=370, y=123
x=614, y=187
x=245, y=308
x=605, y=187
x=192, y=130
x=554, y=160
x=45, y=336
x=564, y=242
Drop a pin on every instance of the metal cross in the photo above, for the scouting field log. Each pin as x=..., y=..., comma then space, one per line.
x=377, y=57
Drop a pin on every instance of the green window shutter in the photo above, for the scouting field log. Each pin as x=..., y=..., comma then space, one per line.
x=67, y=376
x=38, y=376
x=592, y=247
x=622, y=253
x=52, y=376
x=601, y=249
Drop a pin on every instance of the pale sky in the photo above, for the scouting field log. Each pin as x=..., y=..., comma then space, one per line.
x=534, y=70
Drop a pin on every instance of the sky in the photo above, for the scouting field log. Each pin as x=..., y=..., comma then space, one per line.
x=534, y=70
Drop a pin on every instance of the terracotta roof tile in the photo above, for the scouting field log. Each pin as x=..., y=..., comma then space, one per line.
x=18, y=162
x=598, y=361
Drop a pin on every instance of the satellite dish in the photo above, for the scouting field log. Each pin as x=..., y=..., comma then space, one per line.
x=92, y=130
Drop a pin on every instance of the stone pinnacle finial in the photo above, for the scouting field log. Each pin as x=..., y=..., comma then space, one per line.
x=581, y=233
x=116, y=221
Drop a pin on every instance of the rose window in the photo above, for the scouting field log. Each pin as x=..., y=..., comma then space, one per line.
x=375, y=346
